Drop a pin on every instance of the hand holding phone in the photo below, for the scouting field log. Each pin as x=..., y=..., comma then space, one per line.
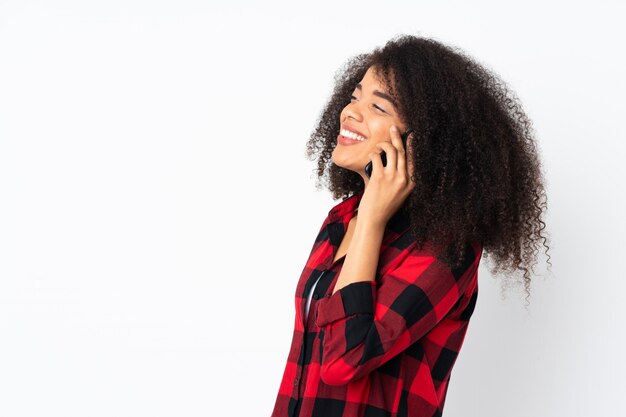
x=383, y=156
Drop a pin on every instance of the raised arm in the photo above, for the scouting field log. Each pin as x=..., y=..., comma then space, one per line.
x=367, y=323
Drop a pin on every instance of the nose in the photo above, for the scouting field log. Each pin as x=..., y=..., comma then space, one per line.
x=352, y=110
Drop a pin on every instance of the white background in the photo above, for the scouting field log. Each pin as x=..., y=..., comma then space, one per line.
x=157, y=209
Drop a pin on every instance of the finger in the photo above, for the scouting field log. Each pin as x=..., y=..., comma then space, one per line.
x=397, y=142
x=377, y=164
x=390, y=152
x=402, y=155
x=408, y=159
x=396, y=139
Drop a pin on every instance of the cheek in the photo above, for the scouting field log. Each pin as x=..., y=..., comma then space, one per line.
x=373, y=148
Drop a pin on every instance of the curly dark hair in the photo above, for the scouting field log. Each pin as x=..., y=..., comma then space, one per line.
x=475, y=165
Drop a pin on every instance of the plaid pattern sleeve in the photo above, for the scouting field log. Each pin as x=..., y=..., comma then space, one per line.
x=367, y=323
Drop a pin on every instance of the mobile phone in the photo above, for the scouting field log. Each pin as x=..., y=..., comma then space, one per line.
x=383, y=157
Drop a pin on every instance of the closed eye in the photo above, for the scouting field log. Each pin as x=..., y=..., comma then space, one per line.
x=377, y=107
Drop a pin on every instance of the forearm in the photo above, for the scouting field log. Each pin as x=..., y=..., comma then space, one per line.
x=361, y=259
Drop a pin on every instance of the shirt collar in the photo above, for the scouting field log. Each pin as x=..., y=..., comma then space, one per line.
x=348, y=206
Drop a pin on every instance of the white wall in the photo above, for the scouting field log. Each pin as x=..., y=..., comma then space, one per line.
x=157, y=208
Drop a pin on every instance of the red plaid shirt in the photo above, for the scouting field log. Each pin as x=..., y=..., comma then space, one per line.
x=376, y=348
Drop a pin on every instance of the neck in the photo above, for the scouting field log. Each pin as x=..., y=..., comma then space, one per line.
x=366, y=179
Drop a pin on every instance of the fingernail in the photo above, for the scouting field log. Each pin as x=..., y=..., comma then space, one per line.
x=394, y=128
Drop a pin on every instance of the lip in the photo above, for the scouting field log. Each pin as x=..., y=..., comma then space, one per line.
x=353, y=130
x=347, y=141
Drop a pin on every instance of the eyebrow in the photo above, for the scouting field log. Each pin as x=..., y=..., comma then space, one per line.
x=381, y=95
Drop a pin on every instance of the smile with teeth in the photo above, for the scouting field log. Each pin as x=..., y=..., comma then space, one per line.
x=351, y=135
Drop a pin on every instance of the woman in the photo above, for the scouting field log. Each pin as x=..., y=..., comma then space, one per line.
x=385, y=298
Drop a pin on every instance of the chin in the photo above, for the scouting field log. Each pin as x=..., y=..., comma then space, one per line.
x=344, y=161
x=348, y=157
x=350, y=166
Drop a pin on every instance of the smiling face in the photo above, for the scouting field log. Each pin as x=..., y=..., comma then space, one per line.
x=370, y=114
